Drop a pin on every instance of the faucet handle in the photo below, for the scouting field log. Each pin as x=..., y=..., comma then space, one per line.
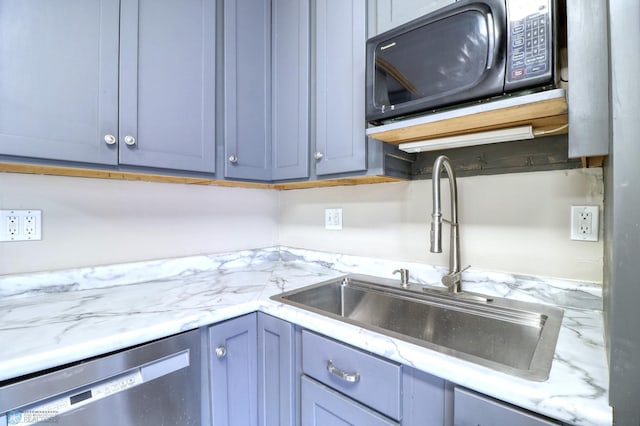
x=454, y=279
x=404, y=276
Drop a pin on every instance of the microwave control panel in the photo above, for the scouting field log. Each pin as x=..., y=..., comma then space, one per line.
x=530, y=49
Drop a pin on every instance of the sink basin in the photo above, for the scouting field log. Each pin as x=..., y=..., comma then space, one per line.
x=513, y=337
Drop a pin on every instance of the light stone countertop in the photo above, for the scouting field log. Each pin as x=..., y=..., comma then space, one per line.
x=50, y=319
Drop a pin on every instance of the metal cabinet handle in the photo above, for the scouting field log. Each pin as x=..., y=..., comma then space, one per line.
x=110, y=139
x=221, y=352
x=233, y=158
x=318, y=155
x=341, y=374
x=129, y=140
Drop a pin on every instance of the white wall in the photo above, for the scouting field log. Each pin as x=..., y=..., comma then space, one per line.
x=514, y=223
x=93, y=221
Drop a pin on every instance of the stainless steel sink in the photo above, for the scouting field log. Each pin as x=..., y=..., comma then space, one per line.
x=513, y=337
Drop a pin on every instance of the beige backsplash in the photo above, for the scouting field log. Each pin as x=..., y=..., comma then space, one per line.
x=90, y=221
x=515, y=223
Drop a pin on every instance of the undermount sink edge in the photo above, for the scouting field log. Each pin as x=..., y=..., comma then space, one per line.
x=513, y=337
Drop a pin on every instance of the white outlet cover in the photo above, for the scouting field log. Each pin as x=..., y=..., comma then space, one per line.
x=28, y=225
x=578, y=233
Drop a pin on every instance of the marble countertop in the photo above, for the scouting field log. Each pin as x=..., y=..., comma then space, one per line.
x=50, y=319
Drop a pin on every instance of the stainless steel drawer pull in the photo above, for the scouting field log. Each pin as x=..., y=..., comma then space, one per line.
x=341, y=374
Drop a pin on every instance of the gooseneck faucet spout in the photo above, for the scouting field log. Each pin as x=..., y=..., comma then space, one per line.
x=452, y=280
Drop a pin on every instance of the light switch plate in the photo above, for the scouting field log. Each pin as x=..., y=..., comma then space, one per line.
x=333, y=219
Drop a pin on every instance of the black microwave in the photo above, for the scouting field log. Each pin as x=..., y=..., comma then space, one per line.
x=469, y=50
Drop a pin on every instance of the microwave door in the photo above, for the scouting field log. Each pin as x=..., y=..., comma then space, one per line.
x=438, y=63
x=394, y=86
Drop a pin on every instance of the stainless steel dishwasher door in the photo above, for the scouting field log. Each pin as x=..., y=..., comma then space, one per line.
x=159, y=383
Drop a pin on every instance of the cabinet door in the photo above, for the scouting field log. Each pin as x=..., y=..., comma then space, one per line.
x=423, y=398
x=322, y=406
x=589, y=109
x=233, y=371
x=167, y=84
x=387, y=14
x=340, y=39
x=290, y=88
x=247, y=89
x=276, y=378
x=471, y=409
x=59, y=79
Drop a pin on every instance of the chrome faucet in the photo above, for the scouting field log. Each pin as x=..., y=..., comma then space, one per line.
x=453, y=279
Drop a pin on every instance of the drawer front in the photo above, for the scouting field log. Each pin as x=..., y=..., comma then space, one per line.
x=322, y=406
x=373, y=381
x=472, y=409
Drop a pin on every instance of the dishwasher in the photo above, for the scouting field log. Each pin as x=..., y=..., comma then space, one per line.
x=157, y=383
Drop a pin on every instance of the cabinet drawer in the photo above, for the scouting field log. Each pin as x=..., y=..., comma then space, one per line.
x=472, y=409
x=323, y=406
x=371, y=380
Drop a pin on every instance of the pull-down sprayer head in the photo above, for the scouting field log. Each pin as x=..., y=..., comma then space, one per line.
x=452, y=280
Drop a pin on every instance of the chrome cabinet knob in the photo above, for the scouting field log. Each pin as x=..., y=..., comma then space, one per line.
x=129, y=140
x=110, y=139
x=233, y=158
x=318, y=155
x=221, y=352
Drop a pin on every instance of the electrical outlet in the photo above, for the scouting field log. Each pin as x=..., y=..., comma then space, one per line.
x=29, y=226
x=20, y=225
x=584, y=223
x=11, y=224
x=333, y=219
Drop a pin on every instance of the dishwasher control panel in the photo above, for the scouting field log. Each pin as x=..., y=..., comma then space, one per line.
x=41, y=412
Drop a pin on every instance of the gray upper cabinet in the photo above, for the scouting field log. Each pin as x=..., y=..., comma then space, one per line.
x=142, y=83
x=290, y=88
x=266, y=89
x=167, y=84
x=339, y=95
x=387, y=14
x=59, y=79
x=109, y=82
x=588, y=92
x=247, y=89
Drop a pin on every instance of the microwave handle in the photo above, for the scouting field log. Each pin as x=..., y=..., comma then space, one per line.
x=492, y=40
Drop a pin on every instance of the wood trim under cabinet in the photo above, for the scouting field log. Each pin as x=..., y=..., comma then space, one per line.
x=146, y=177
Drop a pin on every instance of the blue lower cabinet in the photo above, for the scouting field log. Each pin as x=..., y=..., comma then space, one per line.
x=233, y=372
x=322, y=406
x=267, y=372
x=354, y=373
x=276, y=375
x=424, y=399
x=391, y=391
x=252, y=376
x=472, y=409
